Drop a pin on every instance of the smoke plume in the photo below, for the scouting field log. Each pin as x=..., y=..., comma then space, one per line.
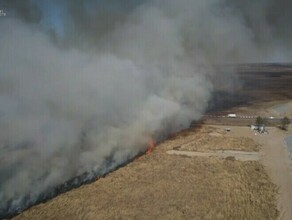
x=104, y=78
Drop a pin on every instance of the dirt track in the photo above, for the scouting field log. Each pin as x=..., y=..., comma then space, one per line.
x=236, y=155
x=276, y=161
x=275, y=157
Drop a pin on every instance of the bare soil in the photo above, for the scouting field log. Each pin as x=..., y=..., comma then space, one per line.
x=277, y=163
x=225, y=154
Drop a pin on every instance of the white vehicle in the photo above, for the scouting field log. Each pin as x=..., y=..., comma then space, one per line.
x=271, y=117
x=253, y=127
x=231, y=115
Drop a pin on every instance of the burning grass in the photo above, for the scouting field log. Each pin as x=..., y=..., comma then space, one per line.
x=161, y=186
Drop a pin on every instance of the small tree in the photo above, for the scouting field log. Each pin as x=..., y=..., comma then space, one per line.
x=285, y=122
x=260, y=121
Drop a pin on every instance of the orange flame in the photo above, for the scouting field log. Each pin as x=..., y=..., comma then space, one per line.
x=151, y=146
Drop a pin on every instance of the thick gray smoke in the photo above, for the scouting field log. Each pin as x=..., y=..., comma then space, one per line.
x=113, y=79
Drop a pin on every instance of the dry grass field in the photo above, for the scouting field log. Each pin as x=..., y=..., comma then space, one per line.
x=209, y=139
x=161, y=186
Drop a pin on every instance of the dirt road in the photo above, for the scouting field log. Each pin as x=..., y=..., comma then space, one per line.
x=276, y=160
x=275, y=157
x=238, y=155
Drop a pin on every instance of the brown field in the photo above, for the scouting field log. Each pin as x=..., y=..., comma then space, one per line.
x=210, y=139
x=162, y=186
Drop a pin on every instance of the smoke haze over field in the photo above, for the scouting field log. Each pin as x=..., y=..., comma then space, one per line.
x=82, y=81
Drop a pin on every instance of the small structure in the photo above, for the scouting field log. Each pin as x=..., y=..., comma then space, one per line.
x=260, y=128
